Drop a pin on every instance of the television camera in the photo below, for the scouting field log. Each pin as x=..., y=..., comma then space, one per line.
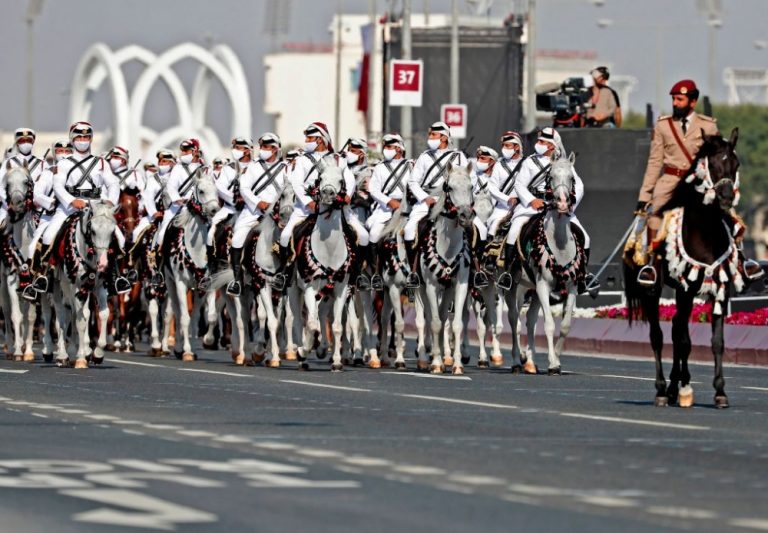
x=567, y=101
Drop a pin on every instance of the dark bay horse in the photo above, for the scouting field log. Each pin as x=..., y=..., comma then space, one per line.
x=698, y=257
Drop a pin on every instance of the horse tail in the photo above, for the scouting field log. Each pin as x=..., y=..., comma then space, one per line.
x=221, y=279
x=633, y=294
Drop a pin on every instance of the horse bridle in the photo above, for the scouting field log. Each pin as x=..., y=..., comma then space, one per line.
x=14, y=215
x=709, y=188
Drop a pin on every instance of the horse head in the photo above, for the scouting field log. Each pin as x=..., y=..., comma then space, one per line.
x=285, y=205
x=18, y=189
x=98, y=226
x=331, y=182
x=718, y=169
x=206, y=195
x=561, y=181
x=457, y=198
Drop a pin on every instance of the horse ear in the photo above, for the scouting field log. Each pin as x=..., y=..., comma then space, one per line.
x=734, y=137
x=572, y=157
x=469, y=167
x=116, y=209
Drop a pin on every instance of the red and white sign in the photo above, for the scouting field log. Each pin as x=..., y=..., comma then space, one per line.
x=455, y=115
x=406, y=82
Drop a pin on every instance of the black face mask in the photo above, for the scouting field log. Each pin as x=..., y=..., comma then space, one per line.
x=680, y=112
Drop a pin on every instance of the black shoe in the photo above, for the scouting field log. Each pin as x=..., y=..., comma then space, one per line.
x=122, y=285
x=377, y=283
x=278, y=281
x=363, y=283
x=29, y=293
x=413, y=281
x=480, y=280
x=505, y=281
x=40, y=284
x=234, y=289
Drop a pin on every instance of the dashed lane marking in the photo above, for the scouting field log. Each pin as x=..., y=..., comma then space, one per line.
x=217, y=372
x=137, y=363
x=5, y=371
x=764, y=389
x=462, y=402
x=635, y=421
x=323, y=385
x=750, y=523
x=682, y=512
x=430, y=376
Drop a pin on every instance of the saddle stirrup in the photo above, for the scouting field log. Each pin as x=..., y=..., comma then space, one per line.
x=647, y=276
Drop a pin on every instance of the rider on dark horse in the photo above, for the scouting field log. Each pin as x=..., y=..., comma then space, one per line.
x=676, y=140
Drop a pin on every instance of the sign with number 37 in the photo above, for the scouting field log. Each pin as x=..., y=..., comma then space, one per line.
x=406, y=82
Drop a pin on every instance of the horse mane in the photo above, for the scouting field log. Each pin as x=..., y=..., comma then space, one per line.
x=396, y=224
x=685, y=193
x=455, y=174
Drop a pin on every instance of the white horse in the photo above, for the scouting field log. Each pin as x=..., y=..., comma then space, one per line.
x=81, y=253
x=185, y=253
x=556, y=261
x=485, y=300
x=20, y=313
x=445, y=261
x=324, y=261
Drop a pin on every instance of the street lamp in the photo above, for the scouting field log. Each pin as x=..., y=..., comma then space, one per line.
x=33, y=10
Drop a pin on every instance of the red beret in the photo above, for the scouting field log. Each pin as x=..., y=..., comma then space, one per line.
x=684, y=87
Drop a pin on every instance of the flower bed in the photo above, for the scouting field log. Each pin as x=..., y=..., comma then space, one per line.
x=702, y=312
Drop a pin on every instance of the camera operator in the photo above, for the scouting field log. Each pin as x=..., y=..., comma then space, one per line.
x=603, y=108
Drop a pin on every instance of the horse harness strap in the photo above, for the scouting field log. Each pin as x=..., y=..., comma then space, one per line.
x=35, y=162
x=160, y=192
x=509, y=183
x=396, y=174
x=74, y=190
x=540, y=178
x=451, y=156
x=312, y=169
x=238, y=172
x=269, y=176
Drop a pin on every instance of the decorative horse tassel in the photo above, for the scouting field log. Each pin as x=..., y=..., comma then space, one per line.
x=709, y=196
x=723, y=276
x=717, y=309
x=720, y=293
x=693, y=275
x=738, y=282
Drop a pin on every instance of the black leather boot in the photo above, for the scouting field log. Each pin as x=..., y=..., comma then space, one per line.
x=235, y=286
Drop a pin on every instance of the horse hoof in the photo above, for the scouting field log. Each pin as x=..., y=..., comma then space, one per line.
x=155, y=352
x=337, y=367
x=81, y=364
x=448, y=360
x=482, y=364
x=385, y=363
x=187, y=357
x=436, y=369
x=497, y=360
x=661, y=401
x=240, y=359
x=358, y=361
x=97, y=360
x=422, y=365
x=18, y=358
x=374, y=363
x=257, y=358
x=399, y=365
x=29, y=358
x=48, y=357
x=464, y=359
x=273, y=363
x=9, y=357
x=303, y=366
x=178, y=355
x=721, y=402
x=516, y=369
x=458, y=371
x=171, y=340
x=210, y=345
x=685, y=397
x=63, y=363
x=554, y=371
x=290, y=355
x=530, y=368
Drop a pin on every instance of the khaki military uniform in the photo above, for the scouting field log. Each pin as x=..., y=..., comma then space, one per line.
x=668, y=163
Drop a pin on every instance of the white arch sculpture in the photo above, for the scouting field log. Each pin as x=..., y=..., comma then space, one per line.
x=100, y=64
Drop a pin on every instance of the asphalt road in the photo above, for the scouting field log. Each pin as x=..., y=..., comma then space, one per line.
x=159, y=444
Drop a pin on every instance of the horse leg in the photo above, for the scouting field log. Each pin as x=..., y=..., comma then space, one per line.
x=260, y=344
x=337, y=328
x=529, y=365
x=565, y=324
x=480, y=316
x=421, y=326
x=312, y=325
x=459, y=300
x=492, y=308
x=184, y=322
x=513, y=315
x=212, y=318
x=30, y=317
x=718, y=347
x=82, y=318
x=156, y=348
x=62, y=325
x=436, y=327
x=681, y=348
x=103, y=311
x=45, y=309
x=237, y=348
x=650, y=305
x=273, y=325
x=369, y=342
x=16, y=317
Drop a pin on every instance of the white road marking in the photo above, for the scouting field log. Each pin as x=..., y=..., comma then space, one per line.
x=280, y=481
x=145, y=466
x=47, y=407
x=477, y=480
x=454, y=488
x=637, y=422
x=133, y=432
x=137, y=363
x=143, y=510
x=163, y=427
x=431, y=376
x=217, y=372
x=514, y=498
x=76, y=412
x=682, y=512
x=616, y=376
x=751, y=523
x=608, y=501
x=320, y=454
x=419, y=470
x=196, y=433
x=275, y=445
x=4, y=371
x=129, y=422
x=102, y=417
x=39, y=415
x=232, y=439
x=360, y=460
x=764, y=389
x=455, y=400
x=323, y=385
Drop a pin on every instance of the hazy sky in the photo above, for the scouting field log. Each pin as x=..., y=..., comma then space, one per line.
x=66, y=28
